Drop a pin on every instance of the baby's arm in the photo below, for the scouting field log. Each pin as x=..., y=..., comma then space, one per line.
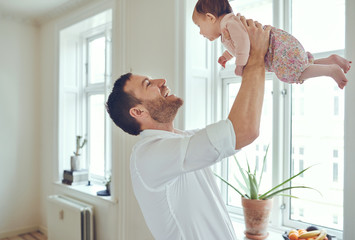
x=226, y=56
x=240, y=39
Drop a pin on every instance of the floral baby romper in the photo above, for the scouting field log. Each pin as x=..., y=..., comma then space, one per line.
x=286, y=56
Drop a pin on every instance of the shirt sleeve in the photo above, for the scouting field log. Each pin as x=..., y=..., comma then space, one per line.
x=240, y=38
x=227, y=55
x=160, y=161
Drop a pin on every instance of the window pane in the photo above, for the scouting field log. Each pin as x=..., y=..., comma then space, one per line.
x=69, y=126
x=255, y=152
x=97, y=134
x=335, y=172
x=259, y=10
x=318, y=133
x=312, y=28
x=96, y=60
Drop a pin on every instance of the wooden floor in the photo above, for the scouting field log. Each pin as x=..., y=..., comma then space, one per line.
x=28, y=236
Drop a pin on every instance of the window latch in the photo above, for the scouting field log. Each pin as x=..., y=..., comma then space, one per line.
x=283, y=206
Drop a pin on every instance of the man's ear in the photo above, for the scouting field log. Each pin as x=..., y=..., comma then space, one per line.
x=211, y=17
x=138, y=112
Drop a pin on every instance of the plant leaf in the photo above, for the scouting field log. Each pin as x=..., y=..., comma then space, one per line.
x=286, y=195
x=262, y=169
x=225, y=181
x=243, y=174
x=253, y=186
x=282, y=190
x=248, y=164
x=245, y=189
x=284, y=182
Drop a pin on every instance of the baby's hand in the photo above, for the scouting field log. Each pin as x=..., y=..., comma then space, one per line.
x=222, y=60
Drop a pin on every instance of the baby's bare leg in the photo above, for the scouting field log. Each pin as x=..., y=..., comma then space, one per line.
x=330, y=70
x=335, y=59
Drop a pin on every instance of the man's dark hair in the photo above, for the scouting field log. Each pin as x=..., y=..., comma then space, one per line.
x=215, y=7
x=118, y=105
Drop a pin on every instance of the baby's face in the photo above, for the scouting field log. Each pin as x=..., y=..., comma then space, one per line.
x=209, y=26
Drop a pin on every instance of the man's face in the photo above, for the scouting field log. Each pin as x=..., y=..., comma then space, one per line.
x=155, y=97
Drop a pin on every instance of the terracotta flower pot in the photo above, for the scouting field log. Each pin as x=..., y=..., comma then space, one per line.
x=256, y=217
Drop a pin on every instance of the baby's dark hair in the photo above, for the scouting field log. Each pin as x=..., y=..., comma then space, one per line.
x=215, y=7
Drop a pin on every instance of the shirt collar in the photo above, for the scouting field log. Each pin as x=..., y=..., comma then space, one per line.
x=155, y=132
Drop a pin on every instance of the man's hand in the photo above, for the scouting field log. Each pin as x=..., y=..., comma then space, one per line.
x=259, y=37
x=245, y=113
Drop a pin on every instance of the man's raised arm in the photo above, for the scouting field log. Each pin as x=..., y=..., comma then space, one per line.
x=245, y=113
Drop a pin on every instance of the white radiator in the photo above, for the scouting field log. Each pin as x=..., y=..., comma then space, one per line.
x=69, y=219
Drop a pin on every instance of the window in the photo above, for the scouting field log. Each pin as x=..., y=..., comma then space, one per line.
x=301, y=212
x=335, y=153
x=335, y=219
x=231, y=86
x=311, y=128
x=301, y=167
x=300, y=135
x=335, y=172
x=85, y=72
x=336, y=169
x=301, y=151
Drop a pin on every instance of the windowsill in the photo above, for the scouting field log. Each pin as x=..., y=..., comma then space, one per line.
x=239, y=228
x=87, y=191
x=274, y=233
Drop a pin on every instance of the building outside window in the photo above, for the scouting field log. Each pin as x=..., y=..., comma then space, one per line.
x=311, y=129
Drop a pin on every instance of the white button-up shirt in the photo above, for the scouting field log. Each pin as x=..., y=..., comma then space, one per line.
x=174, y=185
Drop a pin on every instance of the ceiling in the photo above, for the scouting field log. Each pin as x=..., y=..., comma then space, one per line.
x=35, y=10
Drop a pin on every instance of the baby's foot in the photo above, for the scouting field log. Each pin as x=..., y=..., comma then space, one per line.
x=338, y=75
x=341, y=62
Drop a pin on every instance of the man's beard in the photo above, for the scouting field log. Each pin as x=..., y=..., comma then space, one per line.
x=162, y=110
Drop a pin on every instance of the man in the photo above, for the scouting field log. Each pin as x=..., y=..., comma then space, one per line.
x=170, y=172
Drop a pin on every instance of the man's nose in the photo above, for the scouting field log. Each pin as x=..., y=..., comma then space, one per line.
x=160, y=82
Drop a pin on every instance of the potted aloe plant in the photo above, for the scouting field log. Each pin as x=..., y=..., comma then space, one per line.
x=76, y=159
x=257, y=206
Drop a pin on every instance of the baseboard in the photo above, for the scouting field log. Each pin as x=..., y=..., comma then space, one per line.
x=19, y=231
x=43, y=230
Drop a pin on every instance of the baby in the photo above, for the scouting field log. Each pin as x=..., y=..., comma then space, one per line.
x=286, y=56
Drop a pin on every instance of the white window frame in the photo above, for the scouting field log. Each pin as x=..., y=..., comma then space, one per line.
x=83, y=91
x=281, y=139
x=279, y=147
x=227, y=76
x=94, y=89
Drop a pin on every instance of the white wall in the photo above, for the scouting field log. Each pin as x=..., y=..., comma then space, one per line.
x=149, y=48
x=19, y=125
